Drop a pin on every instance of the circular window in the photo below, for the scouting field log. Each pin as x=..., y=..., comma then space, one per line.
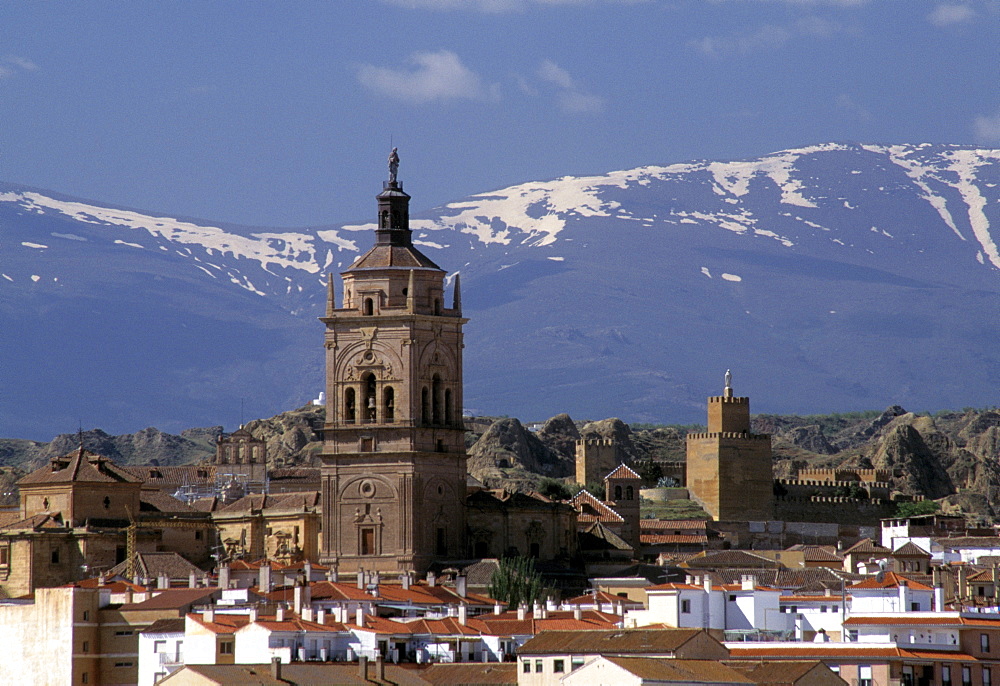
x=367, y=489
x=369, y=356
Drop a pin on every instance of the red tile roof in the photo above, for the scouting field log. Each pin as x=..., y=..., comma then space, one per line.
x=624, y=472
x=890, y=580
x=591, y=509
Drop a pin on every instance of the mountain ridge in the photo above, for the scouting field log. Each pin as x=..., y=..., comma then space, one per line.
x=828, y=277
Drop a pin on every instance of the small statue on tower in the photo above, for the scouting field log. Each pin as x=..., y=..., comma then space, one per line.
x=393, y=165
x=729, y=379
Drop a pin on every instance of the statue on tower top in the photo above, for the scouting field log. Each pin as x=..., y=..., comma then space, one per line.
x=393, y=165
x=729, y=379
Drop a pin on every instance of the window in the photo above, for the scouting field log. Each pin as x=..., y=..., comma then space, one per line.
x=425, y=411
x=436, y=399
x=55, y=557
x=864, y=675
x=526, y=667
x=618, y=492
x=448, y=419
x=984, y=642
x=85, y=678
x=226, y=648
x=127, y=632
x=4, y=555
x=629, y=493
x=822, y=608
x=557, y=666
x=86, y=615
x=123, y=664
x=945, y=675
x=158, y=646
x=914, y=607
x=907, y=676
x=966, y=676
x=368, y=541
x=85, y=648
x=369, y=307
x=686, y=606
x=197, y=535
x=538, y=666
x=987, y=676
x=575, y=663
x=107, y=502
x=732, y=598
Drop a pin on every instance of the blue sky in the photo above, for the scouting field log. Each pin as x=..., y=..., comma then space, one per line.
x=281, y=114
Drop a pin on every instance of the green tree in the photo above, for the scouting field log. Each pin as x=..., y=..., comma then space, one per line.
x=915, y=509
x=555, y=489
x=515, y=582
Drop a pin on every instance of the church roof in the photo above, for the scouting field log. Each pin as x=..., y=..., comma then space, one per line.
x=386, y=256
x=154, y=565
x=80, y=466
x=623, y=472
x=591, y=509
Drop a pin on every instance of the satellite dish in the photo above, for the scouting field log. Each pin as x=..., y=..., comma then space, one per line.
x=880, y=577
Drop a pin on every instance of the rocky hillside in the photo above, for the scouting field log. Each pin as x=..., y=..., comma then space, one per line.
x=952, y=457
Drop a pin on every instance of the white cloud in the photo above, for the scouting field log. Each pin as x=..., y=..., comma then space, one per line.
x=553, y=73
x=765, y=37
x=945, y=14
x=12, y=64
x=571, y=97
x=432, y=76
x=987, y=129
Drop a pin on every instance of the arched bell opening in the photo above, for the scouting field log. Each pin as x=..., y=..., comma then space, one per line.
x=371, y=409
x=436, y=398
x=350, y=406
x=389, y=405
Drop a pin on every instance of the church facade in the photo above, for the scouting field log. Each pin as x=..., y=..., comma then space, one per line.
x=393, y=476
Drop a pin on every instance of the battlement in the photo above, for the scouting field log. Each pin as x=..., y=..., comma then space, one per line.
x=865, y=475
x=595, y=441
x=730, y=435
x=829, y=499
x=728, y=400
x=886, y=485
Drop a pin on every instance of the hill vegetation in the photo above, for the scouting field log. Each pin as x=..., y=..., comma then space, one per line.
x=950, y=457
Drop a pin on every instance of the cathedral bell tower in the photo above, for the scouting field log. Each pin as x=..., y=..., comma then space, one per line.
x=394, y=461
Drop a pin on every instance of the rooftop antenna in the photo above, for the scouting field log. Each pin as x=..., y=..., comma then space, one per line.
x=242, y=406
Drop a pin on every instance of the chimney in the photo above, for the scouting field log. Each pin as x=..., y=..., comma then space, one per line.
x=708, y=583
x=537, y=612
x=497, y=608
x=279, y=614
x=577, y=613
x=192, y=580
x=307, y=613
x=276, y=668
x=329, y=574
x=359, y=616
x=334, y=575
x=297, y=599
x=224, y=576
x=690, y=580
x=162, y=581
x=404, y=581
x=361, y=579
x=431, y=579
x=363, y=667
x=379, y=668
x=309, y=571
x=461, y=584
x=463, y=613
x=746, y=582
x=208, y=616
x=904, y=595
x=321, y=616
x=253, y=614
x=522, y=610
x=264, y=578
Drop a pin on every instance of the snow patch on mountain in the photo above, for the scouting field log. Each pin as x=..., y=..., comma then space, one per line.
x=288, y=250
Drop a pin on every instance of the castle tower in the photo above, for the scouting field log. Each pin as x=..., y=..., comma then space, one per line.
x=394, y=462
x=595, y=457
x=729, y=469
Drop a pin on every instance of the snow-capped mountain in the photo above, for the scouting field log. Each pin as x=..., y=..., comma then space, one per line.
x=834, y=277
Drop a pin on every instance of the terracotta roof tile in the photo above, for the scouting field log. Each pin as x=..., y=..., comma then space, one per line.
x=685, y=671
x=624, y=472
x=591, y=509
x=80, y=466
x=890, y=580
x=622, y=641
